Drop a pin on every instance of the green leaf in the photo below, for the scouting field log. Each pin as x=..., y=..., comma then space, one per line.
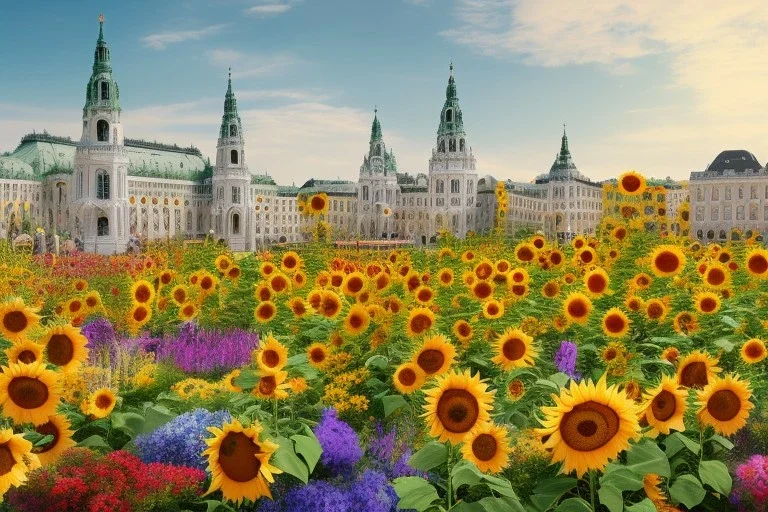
x=309, y=448
x=247, y=379
x=297, y=360
x=466, y=473
x=560, y=379
x=155, y=417
x=689, y=443
x=646, y=457
x=548, y=492
x=574, y=505
x=430, y=456
x=129, y=422
x=94, y=441
x=40, y=440
x=548, y=384
x=285, y=458
x=725, y=343
x=611, y=497
x=392, y=403
x=491, y=504
x=729, y=321
x=715, y=474
x=622, y=478
x=214, y=505
x=377, y=362
x=644, y=506
x=725, y=443
x=414, y=493
x=687, y=490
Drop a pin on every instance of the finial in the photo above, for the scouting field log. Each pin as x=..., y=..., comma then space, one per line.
x=451, y=68
x=101, y=19
x=230, y=72
x=375, y=109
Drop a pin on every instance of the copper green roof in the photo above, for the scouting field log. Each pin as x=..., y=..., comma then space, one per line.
x=230, y=112
x=456, y=125
x=262, y=179
x=95, y=98
x=330, y=187
x=375, y=128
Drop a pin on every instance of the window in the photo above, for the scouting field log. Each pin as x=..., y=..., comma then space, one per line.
x=378, y=149
x=102, y=131
x=727, y=193
x=455, y=188
x=233, y=156
x=740, y=213
x=236, y=224
x=440, y=187
x=441, y=147
x=102, y=226
x=461, y=145
x=104, y=90
x=715, y=194
x=753, y=192
x=452, y=145
x=233, y=130
x=449, y=115
x=365, y=193
x=236, y=195
x=102, y=184
x=741, y=192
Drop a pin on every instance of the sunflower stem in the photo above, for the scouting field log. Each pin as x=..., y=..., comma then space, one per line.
x=592, y=489
x=450, y=480
x=274, y=415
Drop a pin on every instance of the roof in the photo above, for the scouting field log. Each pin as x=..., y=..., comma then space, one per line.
x=262, y=179
x=736, y=162
x=563, y=167
x=330, y=187
x=41, y=154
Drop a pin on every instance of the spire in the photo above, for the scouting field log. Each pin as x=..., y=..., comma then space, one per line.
x=231, y=116
x=564, y=144
x=102, y=89
x=375, y=127
x=450, y=118
x=101, y=27
x=450, y=91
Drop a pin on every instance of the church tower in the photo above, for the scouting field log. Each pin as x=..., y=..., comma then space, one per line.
x=101, y=162
x=232, y=209
x=377, y=187
x=452, y=175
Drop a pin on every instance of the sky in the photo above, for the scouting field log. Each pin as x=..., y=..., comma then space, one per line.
x=657, y=86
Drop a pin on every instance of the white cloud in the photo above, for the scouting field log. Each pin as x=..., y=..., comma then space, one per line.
x=162, y=40
x=251, y=65
x=269, y=9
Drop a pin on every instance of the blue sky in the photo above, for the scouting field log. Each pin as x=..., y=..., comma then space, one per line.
x=656, y=87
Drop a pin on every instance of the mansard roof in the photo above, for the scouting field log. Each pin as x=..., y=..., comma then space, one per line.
x=738, y=162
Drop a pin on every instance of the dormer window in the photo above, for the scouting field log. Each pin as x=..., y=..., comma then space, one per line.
x=104, y=90
x=233, y=130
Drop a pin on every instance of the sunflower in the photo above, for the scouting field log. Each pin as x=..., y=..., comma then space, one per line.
x=188, y=311
x=685, y=323
x=515, y=389
x=73, y=307
x=631, y=183
x=101, y=403
x=424, y=294
x=556, y=258
x=229, y=381
x=357, y=320
x=717, y=276
x=271, y=354
x=239, y=462
x=317, y=355
x=165, y=277
x=585, y=256
x=58, y=427
x=514, y=349
x=467, y=256
x=664, y=407
x=318, y=203
x=92, y=299
x=353, y=284
x=484, y=270
x=538, y=241
x=619, y=233
x=299, y=279
x=265, y=312
x=272, y=384
x=29, y=393
x=589, y=425
x=707, y=303
x=408, y=377
x=138, y=315
x=330, y=304
x=262, y=292
x=551, y=289
x=445, y=276
x=525, y=252
x=724, y=404
x=299, y=307
x=502, y=266
x=463, y=331
x=278, y=283
x=493, y=309
x=14, y=466
x=487, y=448
x=697, y=369
x=670, y=354
x=753, y=351
x=436, y=355
x=142, y=292
x=458, y=405
x=655, y=309
x=667, y=260
x=615, y=323
x=17, y=319
x=24, y=351
x=419, y=321
x=757, y=263
x=596, y=282
x=65, y=347
x=482, y=290
x=577, y=308
x=267, y=268
x=223, y=262
x=80, y=285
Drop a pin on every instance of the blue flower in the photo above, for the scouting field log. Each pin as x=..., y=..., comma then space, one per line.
x=341, y=446
x=372, y=493
x=565, y=359
x=318, y=496
x=181, y=441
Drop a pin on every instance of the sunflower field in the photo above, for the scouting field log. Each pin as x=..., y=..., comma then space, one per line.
x=621, y=371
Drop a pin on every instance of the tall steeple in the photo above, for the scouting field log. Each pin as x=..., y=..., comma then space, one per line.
x=451, y=122
x=375, y=127
x=564, y=152
x=102, y=91
x=230, y=117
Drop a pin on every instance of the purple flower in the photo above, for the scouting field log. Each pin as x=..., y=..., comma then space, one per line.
x=390, y=455
x=751, y=491
x=341, y=446
x=181, y=441
x=197, y=350
x=318, y=496
x=101, y=337
x=565, y=359
x=371, y=492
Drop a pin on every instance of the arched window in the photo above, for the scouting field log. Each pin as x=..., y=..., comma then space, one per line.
x=452, y=145
x=449, y=115
x=102, y=226
x=378, y=149
x=455, y=187
x=102, y=131
x=365, y=193
x=236, y=224
x=105, y=90
x=102, y=184
x=233, y=130
x=233, y=156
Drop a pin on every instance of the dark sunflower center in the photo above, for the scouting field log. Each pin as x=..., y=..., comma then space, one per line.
x=355, y=285
x=60, y=349
x=420, y=323
x=47, y=429
x=493, y=309
x=103, y=401
x=6, y=459
x=289, y=262
x=555, y=258
x=631, y=183
x=708, y=304
x=27, y=357
x=589, y=426
x=458, y=410
x=91, y=302
x=716, y=277
x=484, y=271
x=267, y=385
x=484, y=447
x=663, y=405
x=27, y=393
x=464, y=329
x=758, y=264
x=430, y=361
x=407, y=377
x=317, y=355
x=355, y=321
x=525, y=254
x=279, y=283
x=667, y=262
x=15, y=321
x=614, y=323
x=142, y=294
x=237, y=457
x=206, y=283
x=266, y=311
x=694, y=375
x=513, y=349
x=577, y=308
x=596, y=283
x=271, y=358
x=754, y=350
x=655, y=310
x=724, y=405
x=139, y=314
x=179, y=295
x=586, y=256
